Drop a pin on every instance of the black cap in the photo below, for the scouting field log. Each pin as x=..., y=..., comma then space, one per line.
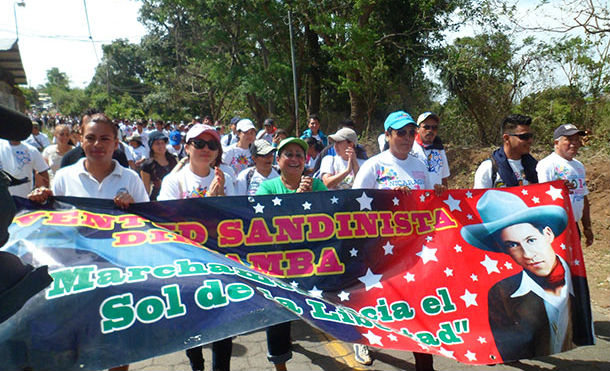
x=566, y=130
x=14, y=125
x=18, y=283
x=268, y=122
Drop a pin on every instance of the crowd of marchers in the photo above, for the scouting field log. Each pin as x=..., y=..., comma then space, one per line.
x=144, y=161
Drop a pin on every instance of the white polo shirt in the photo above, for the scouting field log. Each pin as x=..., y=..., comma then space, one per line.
x=75, y=181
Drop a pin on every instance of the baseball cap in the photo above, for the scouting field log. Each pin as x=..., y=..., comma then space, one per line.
x=199, y=129
x=425, y=115
x=344, y=134
x=155, y=135
x=567, y=130
x=289, y=140
x=397, y=120
x=175, y=137
x=244, y=125
x=261, y=147
x=235, y=120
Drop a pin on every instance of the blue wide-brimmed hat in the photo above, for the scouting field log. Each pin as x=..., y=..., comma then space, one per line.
x=499, y=209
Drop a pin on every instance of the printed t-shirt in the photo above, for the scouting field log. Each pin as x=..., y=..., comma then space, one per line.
x=384, y=171
x=186, y=184
x=555, y=167
x=20, y=161
x=482, y=177
x=336, y=164
x=237, y=158
x=242, y=187
x=436, y=160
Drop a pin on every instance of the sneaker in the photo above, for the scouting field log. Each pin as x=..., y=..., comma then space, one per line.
x=361, y=354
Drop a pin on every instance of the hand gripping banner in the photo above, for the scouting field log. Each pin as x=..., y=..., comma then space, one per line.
x=479, y=276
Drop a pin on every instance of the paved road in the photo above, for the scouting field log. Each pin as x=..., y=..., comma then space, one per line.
x=313, y=350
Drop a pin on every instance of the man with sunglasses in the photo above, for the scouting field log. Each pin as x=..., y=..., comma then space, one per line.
x=429, y=147
x=510, y=165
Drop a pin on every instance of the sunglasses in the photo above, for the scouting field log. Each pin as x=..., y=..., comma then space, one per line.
x=297, y=155
x=430, y=127
x=200, y=144
x=403, y=132
x=524, y=136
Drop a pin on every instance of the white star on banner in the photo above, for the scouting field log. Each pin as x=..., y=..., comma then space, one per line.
x=372, y=338
x=371, y=280
x=508, y=265
x=474, y=277
x=410, y=277
x=453, y=204
x=387, y=248
x=469, y=298
x=334, y=200
x=423, y=346
x=353, y=252
x=294, y=284
x=446, y=353
x=364, y=201
x=469, y=194
x=457, y=248
x=306, y=206
x=422, y=198
x=258, y=208
x=563, y=246
x=469, y=216
x=471, y=356
x=428, y=238
x=315, y=292
x=535, y=200
x=576, y=262
x=277, y=201
x=448, y=272
x=396, y=201
x=343, y=296
x=427, y=254
x=555, y=193
x=490, y=264
x=481, y=340
x=392, y=337
x=524, y=192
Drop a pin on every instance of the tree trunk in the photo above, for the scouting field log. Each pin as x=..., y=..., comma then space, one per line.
x=357, y=110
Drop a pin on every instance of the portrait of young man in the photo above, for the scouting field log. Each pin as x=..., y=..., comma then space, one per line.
x=543, y=309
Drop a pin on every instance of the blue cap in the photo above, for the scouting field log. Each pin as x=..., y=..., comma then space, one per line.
x=397, y=120
x=175, y=138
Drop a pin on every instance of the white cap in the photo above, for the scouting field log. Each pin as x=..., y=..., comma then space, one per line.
x=244, y=125
x=198, y=129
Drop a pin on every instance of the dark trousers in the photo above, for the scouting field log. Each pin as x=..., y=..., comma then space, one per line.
x=423, y=362
x=221, y=355
x=278, y=343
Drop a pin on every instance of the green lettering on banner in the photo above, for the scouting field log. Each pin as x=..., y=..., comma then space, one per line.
x=175, y=308
x=187, y=268
x=150, y=309
x=239, y=292
x=210, y=295
x=110, y=276
x=71, y=281
x=117, y=313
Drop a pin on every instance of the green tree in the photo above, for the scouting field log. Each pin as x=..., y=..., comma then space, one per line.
x=485, y=74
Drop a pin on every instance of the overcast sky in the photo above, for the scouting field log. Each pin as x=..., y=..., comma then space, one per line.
x=53, y=33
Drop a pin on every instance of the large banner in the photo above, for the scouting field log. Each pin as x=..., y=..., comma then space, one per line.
x=479, y=276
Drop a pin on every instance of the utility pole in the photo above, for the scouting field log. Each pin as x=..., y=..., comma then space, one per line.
x=294, y=77
x=15, y=5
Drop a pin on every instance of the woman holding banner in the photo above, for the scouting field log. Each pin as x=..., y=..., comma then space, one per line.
x=291, y=160
x=202, y=177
